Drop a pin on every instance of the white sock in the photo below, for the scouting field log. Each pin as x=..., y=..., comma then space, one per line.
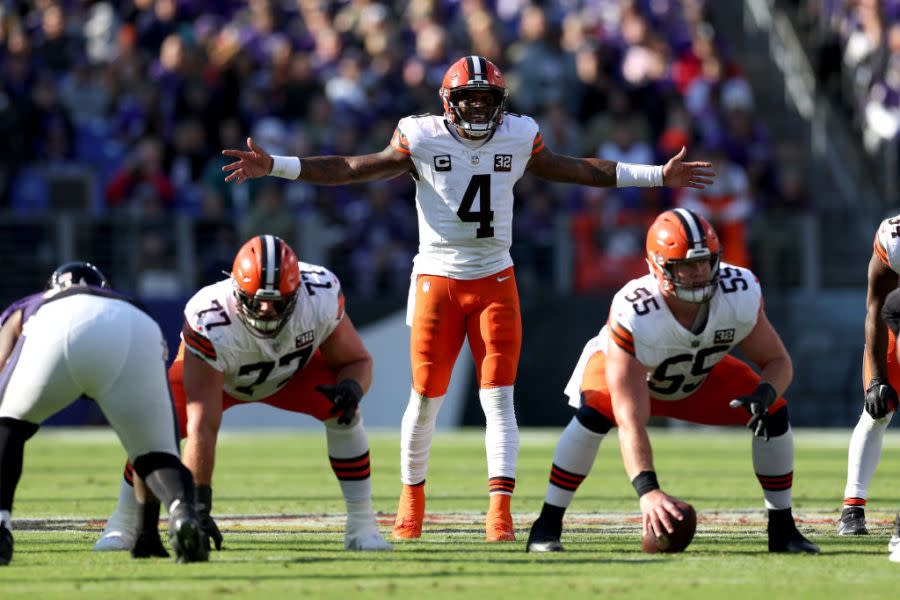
x=127, y=506
x=864, y=454
x=6, y=518
x=572, y=461
x=348, y=451
x=501, y=438
x=773, y=462
x=416, y=431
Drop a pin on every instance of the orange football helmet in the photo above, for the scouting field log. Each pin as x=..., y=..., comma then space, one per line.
x=266, y=277
x=681, y=236
x=468, y=74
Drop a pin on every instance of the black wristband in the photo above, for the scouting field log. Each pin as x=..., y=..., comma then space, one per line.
x=204, y=496
x=644, y=482
x=876, y=381
x=352, y=386
x=767, y=392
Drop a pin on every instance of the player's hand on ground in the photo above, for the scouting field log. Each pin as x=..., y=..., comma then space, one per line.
x=881, y=398
x=203, y=507
x=677, y=173
x=249, y=164
x=757, y=404
x=660, y=512
x=345, y=396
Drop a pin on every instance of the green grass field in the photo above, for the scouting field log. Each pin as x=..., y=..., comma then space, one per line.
x=279, y=506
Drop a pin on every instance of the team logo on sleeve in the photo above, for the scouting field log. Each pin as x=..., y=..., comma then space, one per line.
x=503, y=163
x=724, y=336
x=442, y=162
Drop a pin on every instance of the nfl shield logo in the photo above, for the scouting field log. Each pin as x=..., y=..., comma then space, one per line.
x=475, y=159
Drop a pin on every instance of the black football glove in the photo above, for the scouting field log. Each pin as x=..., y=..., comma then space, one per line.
x=345, y=396
x=880, y=398
x=203, y=506
x=757, y=404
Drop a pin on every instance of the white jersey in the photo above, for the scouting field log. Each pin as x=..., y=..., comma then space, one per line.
x=255, y=367
x=677, y=360
x=887, y=243
x=464, y=196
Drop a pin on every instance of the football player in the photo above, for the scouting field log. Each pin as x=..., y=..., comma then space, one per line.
x=465, y=163
x=274, y=332
x=881, y=376
x=79, y=337
x=664, y=352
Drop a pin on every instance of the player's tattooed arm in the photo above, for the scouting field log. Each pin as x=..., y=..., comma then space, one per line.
x=595, y=172
x=9, y=334
x=339, y=170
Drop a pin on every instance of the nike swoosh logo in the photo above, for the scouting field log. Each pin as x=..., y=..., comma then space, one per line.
x=502, y=279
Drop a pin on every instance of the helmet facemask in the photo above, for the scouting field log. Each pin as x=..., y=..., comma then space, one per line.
x=249, y=308
x=493, y=113
x=694, y=292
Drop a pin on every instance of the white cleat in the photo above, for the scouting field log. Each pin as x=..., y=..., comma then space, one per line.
x=114, y=538
x=895, y=556
x=894, y=544
x=366, y=538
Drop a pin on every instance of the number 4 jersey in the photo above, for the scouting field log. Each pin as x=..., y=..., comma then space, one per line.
x=677, y=360
x=256, y=367
x=464, y=195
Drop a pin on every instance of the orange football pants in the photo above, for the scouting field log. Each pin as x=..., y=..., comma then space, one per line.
x=729, y=379
x=447, y=311
x=893, y=369
x=298, y=394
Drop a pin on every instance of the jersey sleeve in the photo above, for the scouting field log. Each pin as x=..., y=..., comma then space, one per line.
x=538, y=143
x=620, y=325
x=400, y=141
x=199, y=314
x=884, y=244
x=328, y=298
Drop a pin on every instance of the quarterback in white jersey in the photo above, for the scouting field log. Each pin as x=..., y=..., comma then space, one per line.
x=664, y=351
x=880, y=380
x=274, y=332
x=79, y=337
x=465, y=163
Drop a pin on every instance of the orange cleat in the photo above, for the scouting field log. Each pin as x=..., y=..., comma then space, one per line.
x=410, y=513
x=499, y=525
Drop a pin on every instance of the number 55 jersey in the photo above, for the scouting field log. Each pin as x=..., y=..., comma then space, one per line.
x=257, y=367
x=678, y=361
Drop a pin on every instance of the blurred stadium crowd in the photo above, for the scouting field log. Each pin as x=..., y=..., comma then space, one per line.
x=141, y=95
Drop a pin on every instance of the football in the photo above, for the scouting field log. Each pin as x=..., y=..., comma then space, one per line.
x=676, y=541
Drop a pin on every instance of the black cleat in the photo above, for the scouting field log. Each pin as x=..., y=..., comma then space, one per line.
x=853, y=521
x=147, y=545
x=6, y=545
x=544, y=537
x=186, y=537
x=790, y=541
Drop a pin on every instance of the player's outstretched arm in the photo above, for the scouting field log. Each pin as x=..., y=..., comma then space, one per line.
x=627, y=380
x=203, y=386
x=598, y=172
x=321, y=170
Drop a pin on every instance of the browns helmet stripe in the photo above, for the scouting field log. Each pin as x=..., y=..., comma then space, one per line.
x=270, y=263
x=477, y=67
x=692, y=227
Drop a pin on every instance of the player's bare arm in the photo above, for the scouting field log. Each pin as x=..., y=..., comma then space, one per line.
x=597, y=172
x=763, y=346
x=203, y=386
x=9, y=334
x=627, y=381
x=321, y=170
x=882, y=280
x=344, y=351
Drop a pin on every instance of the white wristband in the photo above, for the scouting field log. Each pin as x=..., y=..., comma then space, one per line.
x=287, y=167
x=631, y=175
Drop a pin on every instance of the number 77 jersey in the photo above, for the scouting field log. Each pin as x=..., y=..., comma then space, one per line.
x=677, y=360
x=255, y=367
x=464, y=195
